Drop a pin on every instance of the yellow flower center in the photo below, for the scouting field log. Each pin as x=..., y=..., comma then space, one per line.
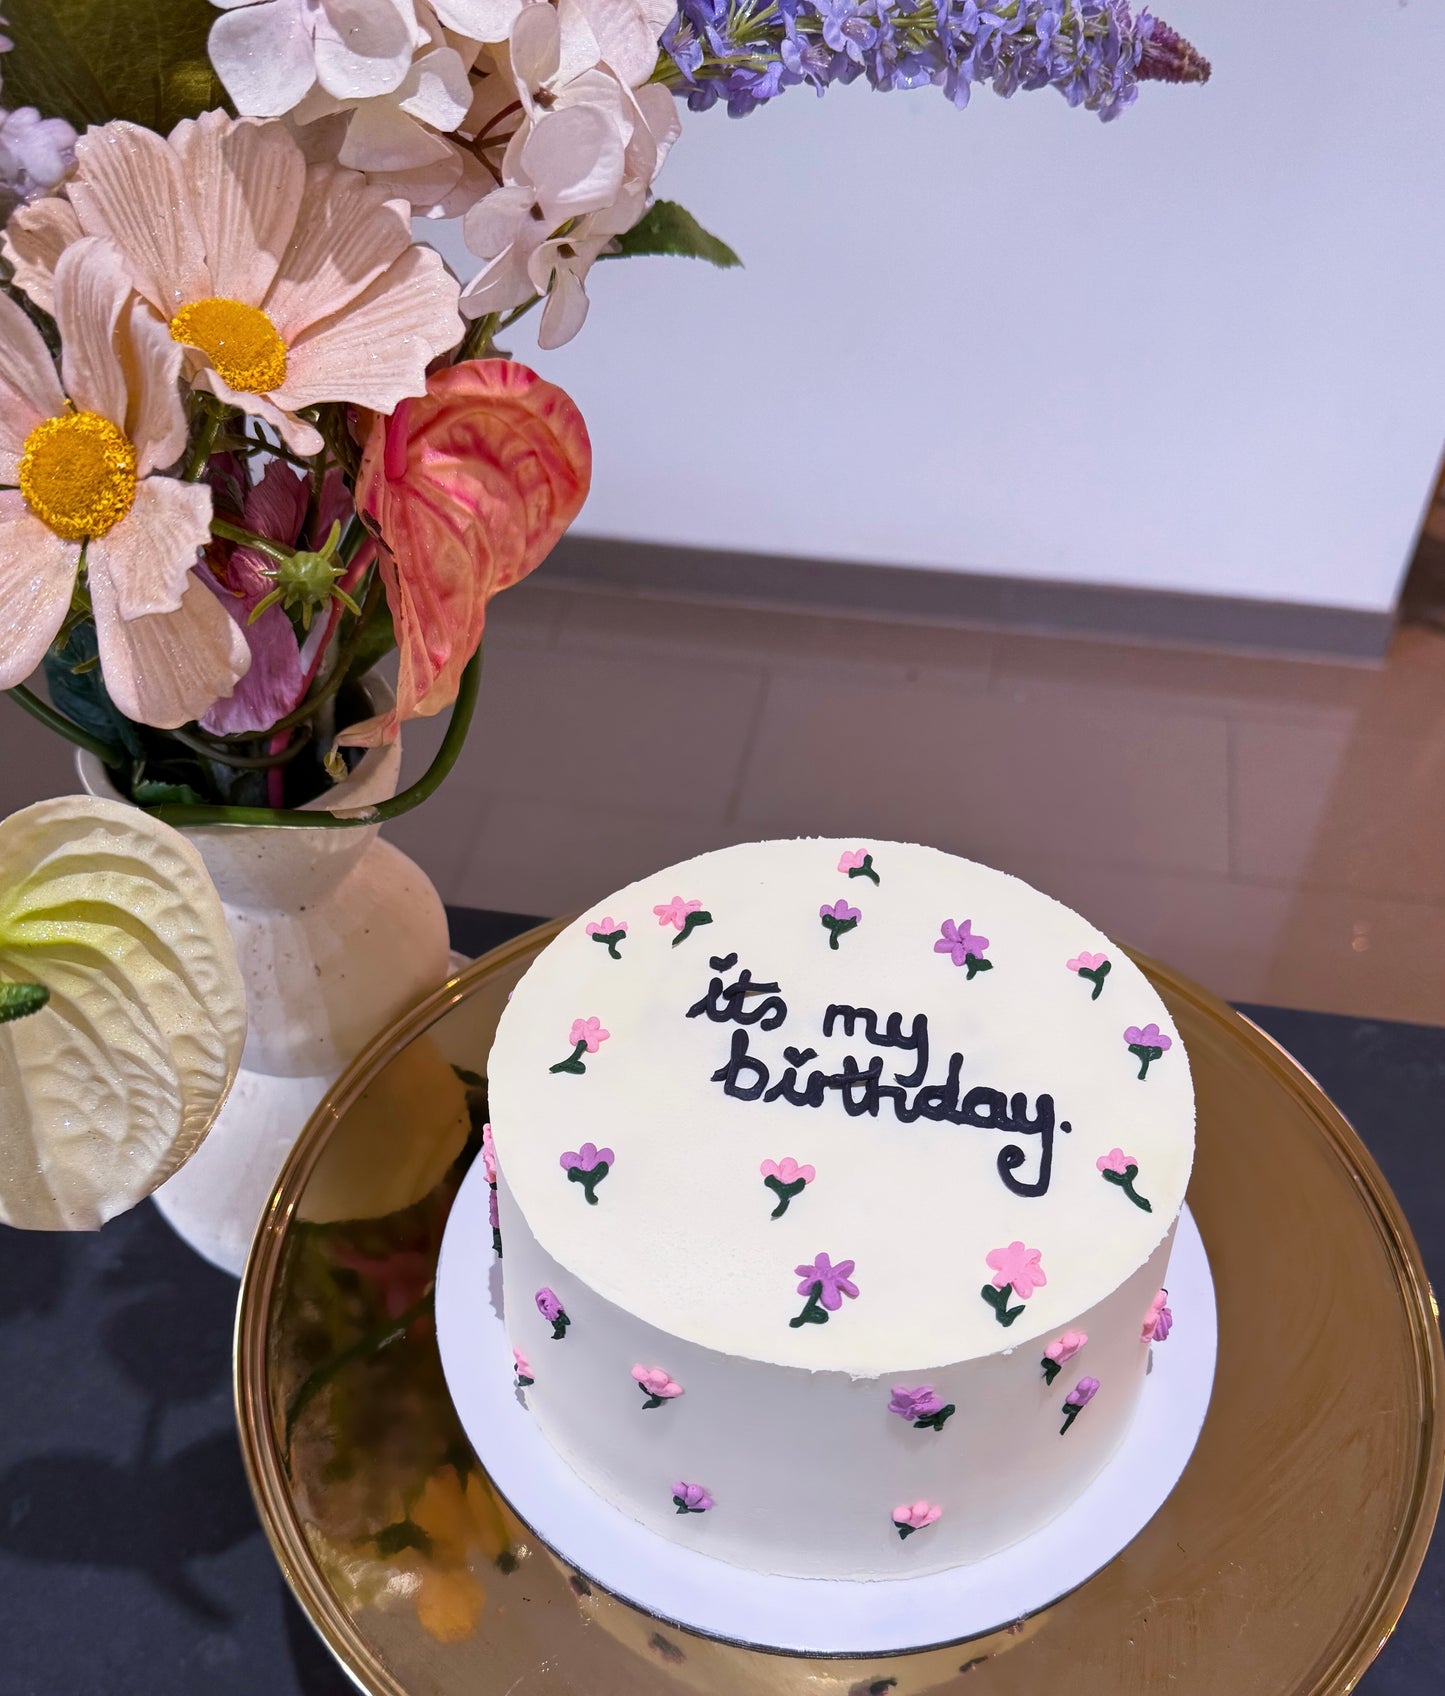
x=239, y=340
x=77, y=474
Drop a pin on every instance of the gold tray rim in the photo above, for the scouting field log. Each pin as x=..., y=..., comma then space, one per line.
x=1379, y=1616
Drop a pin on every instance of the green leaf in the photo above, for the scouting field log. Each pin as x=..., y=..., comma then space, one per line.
x=82, y=695
x=667, y=227
x=20, y=1000
x=149, y=793
x=93, y=60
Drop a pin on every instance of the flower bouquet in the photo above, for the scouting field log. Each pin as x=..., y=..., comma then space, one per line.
x=255, y=436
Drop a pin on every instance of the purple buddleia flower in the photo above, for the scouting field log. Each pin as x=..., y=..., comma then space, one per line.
x=1095, y=52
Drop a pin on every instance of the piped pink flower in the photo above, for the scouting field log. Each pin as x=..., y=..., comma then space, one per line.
x=913, y=1516
x=691, y=1498
x=524, y=1369
x=611, y=933
x=786, y=1179
x=1121, y=1170
x=1018, y=1267
x=489, y=1154
x=1158, y=1321
x=683, y=916
x=858, y=862
x=586, y=1037
x=1095, y=967
x=1061, y=1350
x=657, y=1385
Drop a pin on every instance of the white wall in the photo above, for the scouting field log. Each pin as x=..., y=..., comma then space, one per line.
x=1199, y=348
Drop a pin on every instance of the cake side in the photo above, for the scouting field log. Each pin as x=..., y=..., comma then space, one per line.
x=803, y=1473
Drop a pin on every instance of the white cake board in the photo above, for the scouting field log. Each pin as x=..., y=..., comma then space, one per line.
x=812, y=1616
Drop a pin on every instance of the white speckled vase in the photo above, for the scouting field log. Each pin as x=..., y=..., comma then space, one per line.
x=338, y=933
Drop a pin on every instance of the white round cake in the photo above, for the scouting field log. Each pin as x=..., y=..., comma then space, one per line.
x=836, y=1183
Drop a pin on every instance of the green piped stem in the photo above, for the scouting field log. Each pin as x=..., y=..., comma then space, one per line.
x=974, y=964
x=837, y=928
x=690, y=924
x=1147, y=1053
x=784, y=1193
x=1051, y=1369
x=573, y=1063
x=814, y=1313
x=998, y=1301
x=1072, y=1410
x=610, y=941
x=866, y=870
x=1125, y=1181
x=588, y=1180
x=935, y=1421
x=1096, y=976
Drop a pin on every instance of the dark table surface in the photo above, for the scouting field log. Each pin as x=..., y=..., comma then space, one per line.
x=131, y=1558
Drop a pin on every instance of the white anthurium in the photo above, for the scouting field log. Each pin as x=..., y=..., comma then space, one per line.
x=271, y=53
x=111, y=930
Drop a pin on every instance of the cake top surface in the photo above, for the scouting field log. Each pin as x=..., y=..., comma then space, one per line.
x=857, y=1106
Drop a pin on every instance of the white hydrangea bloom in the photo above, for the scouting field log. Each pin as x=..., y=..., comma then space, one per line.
x=270, y=54
x=36, y=155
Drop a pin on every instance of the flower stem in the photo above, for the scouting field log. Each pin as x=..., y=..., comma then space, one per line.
x=249, y=539
x=365, y=1347
x=199, y=456
x=192, y=817
x=813, y=1313
x=573, y=1063
x=106, y=752
x=222, y=755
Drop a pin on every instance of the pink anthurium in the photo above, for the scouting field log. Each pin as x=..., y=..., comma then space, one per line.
x=469, y=487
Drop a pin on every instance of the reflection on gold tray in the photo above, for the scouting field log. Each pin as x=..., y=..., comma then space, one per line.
x=1278, y=1566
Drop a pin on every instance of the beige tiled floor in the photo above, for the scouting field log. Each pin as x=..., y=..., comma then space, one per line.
x=1273, y=827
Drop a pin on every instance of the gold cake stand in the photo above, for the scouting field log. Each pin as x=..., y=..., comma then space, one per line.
x=1278, y=1567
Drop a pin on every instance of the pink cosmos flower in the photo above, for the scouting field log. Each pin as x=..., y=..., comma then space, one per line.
x=489, y=1154
x=787, y=1170
x=1158, y=1321
x=590, y=1032
x=606, y=927
x=916, y=1515
x=1116, y=1161
x=1018, y=1266
x=675, y=912
x=656, y=1382
x=1066, y=1347
x=852, y=860
x=1087, y=962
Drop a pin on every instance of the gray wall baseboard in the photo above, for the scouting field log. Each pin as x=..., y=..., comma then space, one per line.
x=907, y=594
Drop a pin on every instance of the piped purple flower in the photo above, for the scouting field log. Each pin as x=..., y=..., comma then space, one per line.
x=691, y=1498
x=587, y=1166
x=1158, y=1321
x=553, y=1312
x=610, y=932
x=925, y=1410
x=1077, y=1400
x=838, y=920
x=825, y=1285
x=1149, y=1043
x=963, y=947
